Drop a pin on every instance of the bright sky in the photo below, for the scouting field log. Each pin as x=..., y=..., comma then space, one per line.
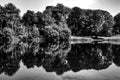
x=39, y=5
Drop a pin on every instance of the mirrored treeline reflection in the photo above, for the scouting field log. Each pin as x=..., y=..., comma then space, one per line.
x=60, y=59
x=90, y=56
x=116, y=53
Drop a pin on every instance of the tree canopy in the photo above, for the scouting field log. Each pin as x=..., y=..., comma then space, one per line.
x=9, y=14
x=56, y=14
x=116, y=27
x=80, y=22
x=86, y=22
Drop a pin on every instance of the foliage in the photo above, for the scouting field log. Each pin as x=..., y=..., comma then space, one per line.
x=9, y=14
x=116, y=53
x=56, y=14
x=89, y=56
x=85, y=22
x=82, y=22
x=116, y=27
x=40, y=23
x=28, y=18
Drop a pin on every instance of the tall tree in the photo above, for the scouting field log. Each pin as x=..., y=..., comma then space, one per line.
x=9, y=15
x=11, y=12
x=56, y=14
x=85, y=22
x=40, y=23
x=28, y=18
x=116, y=27
x=2, y=19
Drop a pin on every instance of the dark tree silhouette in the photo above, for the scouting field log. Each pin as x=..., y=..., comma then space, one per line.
x=56, y=14
x=30, y=59
x=28, y=18
x=86, y=22
x=54, y=63
x=9, y=64
x=9, y=14
x=116, y=27
x=40, y=23
x=89, y=56
x=2, y=19
x=116, y=53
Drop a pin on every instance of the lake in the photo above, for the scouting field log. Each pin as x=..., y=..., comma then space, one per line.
x=88, y=61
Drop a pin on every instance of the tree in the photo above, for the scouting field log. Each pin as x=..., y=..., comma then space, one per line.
x=40, y=23
x=47, y=16
x=116, y=27
x=86, y=22
x=2, y=19
x=28, y=18
x=56, y=14
x=9, y=15
x=74, y=22
x=11, y=11
x=56, y=33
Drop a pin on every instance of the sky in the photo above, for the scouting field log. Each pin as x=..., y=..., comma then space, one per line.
x=112, y=6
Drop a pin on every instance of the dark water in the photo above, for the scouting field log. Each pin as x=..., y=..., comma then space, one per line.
x=93, y=61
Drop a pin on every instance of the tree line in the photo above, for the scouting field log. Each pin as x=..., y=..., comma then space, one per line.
x=71, y=21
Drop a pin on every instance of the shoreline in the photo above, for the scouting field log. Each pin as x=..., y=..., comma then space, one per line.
x=86, y=39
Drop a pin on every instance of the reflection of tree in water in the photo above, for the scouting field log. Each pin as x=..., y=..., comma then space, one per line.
x=56, y=64
x=89, y=56
x=30, y=59
x=59, y=59
x=65, y=58
x=55, y=60
x=9, y=63
x=116, y=53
